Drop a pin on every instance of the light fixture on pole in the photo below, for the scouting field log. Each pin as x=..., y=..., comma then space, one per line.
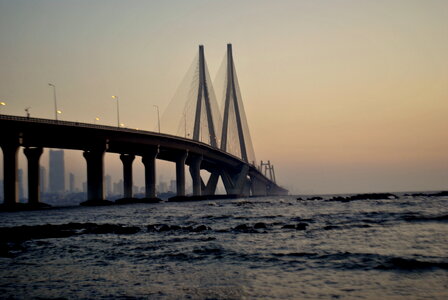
x=96, y=119
x=2, y=104
x=158, y=116
x=56, y=111
x=118, y=110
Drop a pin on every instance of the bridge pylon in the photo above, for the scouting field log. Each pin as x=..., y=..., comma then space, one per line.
x=203, y=103
x=235, y=127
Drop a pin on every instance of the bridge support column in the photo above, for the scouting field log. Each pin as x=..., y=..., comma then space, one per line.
x=236, y=184
x=195, y=171
x=180, y=174
x=210, y=188
x=95, y=173
x=10, y=171
x=127, y=160
x=33, y=157
x=258, y=187
x=149, y=161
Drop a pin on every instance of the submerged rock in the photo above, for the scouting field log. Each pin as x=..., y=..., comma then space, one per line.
x=298, y=226
x=260, y=225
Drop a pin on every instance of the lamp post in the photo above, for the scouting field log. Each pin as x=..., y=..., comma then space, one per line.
x=96, y=119
x=55, y=101
x=158, y=116
x=118, y=110
x=2, y=104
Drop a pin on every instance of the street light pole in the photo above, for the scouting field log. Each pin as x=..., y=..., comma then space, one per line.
x=2, y=104
x=118, y=111
x=158, y=116
x=55, y=101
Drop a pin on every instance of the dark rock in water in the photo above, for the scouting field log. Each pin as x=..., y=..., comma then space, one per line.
x=330, y=227
x=314, y=198
x=110, y=228
x=164, y=227
x=299, y=226
x=127, y=201
x=340, y=198
x=444, y=193
x=188, y=228
x=201, y=228
x=96, y=203
x=242, y=227
x=175, y=227
x=137, y=200
x=24, y=206
x=260, y=226
x=299, y=198
x=151, y=227
x=289, y=226
x=371, y=196
x=439, y=194
x=23, y=233
x=179, y=199
x=150, y=200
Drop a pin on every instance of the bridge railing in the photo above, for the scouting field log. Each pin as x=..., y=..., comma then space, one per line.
x=106, y=127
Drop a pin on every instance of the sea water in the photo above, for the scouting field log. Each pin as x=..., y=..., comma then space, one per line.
x=254, y=248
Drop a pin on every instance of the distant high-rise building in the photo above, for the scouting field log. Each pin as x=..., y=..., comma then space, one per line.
x=71, y=177
x=57, y=171
x=173, y=186
x=118, y=188
x=43, y=180
x=163, y=187
x=21, y=192
x=108, y=183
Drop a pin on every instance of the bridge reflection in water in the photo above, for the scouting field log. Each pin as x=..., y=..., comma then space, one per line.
x=239, y=174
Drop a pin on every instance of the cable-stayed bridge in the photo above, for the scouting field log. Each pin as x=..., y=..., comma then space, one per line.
x=203, y=139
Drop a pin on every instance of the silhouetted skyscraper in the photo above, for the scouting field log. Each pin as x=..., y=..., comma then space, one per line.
x=57, y=171
x=108, y=183
x=172, y=186
x=71, y=177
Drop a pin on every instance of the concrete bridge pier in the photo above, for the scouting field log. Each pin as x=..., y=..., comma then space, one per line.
x=210, y=188
x=10, y=149
x=195, y=171
x=95, y=173
x=258, y=187
x=180, y=173
x=127, y=160
x=149, y=161
x=236, y=184
x=33, y=156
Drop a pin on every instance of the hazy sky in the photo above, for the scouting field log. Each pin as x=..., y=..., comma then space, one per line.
x=342, y=96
